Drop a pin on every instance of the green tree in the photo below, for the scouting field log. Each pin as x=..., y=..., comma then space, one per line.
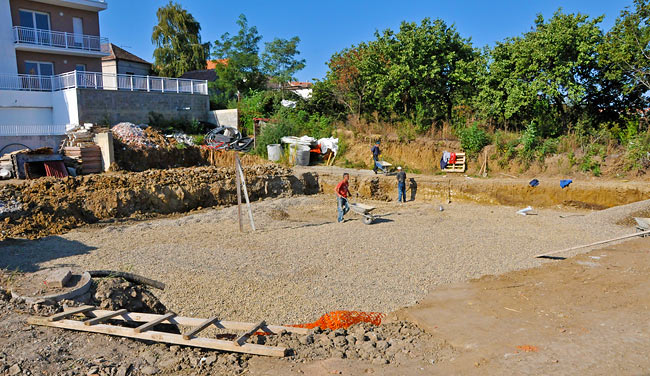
x=628, y=44
x=240, y=71
x=279, y=60
x=178, y=42
x=551, y=74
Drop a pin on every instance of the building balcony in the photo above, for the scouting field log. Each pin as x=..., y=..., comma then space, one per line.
x=59, y=42
x=102, y=81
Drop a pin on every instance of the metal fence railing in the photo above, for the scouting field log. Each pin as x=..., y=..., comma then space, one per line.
x=60, y=39
x=102, y=81
x=31, y=130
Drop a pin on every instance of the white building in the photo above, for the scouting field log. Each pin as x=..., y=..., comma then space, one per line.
x=51, y=76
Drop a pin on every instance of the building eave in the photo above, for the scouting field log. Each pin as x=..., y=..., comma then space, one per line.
x=58, y=51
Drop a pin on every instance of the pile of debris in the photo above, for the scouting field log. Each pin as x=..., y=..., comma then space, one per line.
x=133, y=136
x=32, y=164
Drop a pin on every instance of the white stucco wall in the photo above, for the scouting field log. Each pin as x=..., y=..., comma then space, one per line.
x=25, y=107
x=65, y=107
x=7, y=49
x=224, y=118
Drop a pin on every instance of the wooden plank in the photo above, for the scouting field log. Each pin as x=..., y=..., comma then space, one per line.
x=175, y=339
x=195, y=321
x=72, y=311
x=105, y=317
x=148, y=325
x=238, y=179
x=242, y=339
x=590, y=244
x=199, y=328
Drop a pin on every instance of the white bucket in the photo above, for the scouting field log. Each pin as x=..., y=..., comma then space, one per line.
x=274, y=151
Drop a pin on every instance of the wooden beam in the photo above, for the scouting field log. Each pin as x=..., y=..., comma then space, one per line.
x=199, y=328
x=70, y=312
x=242, y=339
x=175, y=339
x=590, y=244
x=105, y=317
x=196, y=321
x=238, y=179
x=148, y=325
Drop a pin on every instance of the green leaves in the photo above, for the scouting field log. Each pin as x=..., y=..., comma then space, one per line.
x=178, y=42
x=279, y=59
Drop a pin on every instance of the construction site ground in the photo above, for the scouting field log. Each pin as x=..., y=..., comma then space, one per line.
x=565, y=315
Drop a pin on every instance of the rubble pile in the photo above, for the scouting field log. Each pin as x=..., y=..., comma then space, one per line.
x=133, y=135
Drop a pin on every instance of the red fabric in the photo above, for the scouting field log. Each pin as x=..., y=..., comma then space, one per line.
x=342, y=188
x=452, y=158
x=56, y=169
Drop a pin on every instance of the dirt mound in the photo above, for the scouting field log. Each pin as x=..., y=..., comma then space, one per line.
x=53, y=206
x=117, y=293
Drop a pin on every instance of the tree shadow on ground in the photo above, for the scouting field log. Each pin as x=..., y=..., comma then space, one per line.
x=27, y=255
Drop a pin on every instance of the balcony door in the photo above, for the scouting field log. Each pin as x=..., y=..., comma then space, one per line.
x=78, y=30
x=44, y=72
x=35, y=27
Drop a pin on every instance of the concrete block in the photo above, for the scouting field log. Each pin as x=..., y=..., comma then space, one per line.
x=58, y=277
x=105, y=143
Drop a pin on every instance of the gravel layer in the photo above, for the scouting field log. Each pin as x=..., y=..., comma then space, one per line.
x=301, y=264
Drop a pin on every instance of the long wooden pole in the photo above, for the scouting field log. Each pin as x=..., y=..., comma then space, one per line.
x=241, y=226
x=589, y=245
x=243, y=179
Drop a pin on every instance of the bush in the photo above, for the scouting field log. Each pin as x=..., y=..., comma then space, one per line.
x=271, y=134
x=638, y=152
x=473, y=140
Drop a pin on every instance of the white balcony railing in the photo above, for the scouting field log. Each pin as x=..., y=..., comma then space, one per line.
x=60, y=39
x=31, y=130
x=102, y=81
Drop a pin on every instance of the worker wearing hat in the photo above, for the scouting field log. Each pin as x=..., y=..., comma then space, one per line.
x=401, y=185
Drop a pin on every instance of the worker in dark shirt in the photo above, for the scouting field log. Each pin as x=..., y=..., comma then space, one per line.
x=342, y=193
x=401, y=185
x=375, y=156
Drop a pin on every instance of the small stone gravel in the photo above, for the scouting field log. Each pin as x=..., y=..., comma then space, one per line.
x=301, y=264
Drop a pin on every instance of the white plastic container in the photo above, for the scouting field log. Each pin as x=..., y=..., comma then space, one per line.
x=274, y=151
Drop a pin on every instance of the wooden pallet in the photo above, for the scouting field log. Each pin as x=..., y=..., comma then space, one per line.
x=459, y=166
x=95, y=319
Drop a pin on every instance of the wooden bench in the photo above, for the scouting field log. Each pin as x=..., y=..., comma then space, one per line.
x=459, y=166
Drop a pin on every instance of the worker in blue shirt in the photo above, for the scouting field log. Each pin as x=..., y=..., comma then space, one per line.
x=375, y=156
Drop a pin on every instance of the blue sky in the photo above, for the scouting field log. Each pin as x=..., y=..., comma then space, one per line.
x=325, y=27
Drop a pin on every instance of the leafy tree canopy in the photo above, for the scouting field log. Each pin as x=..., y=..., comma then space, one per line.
x=178, y=42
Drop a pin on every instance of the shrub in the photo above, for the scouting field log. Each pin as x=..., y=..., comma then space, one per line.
x=473, y=140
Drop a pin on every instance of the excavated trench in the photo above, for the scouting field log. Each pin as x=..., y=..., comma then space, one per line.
x=50, y=206
x=583, y=194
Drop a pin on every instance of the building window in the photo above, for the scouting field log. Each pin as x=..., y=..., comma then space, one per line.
x=38, y=22
x=39, y=68
x=80, y=67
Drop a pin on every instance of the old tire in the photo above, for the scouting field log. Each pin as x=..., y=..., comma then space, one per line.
x=368, y=219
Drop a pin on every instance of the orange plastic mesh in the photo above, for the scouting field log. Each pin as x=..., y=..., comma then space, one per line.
x=343, y=319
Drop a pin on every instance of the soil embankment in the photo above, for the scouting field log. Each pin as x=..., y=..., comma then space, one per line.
x=49, y=206
x=583, y=194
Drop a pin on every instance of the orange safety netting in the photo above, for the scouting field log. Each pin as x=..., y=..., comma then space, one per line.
x=343, y=319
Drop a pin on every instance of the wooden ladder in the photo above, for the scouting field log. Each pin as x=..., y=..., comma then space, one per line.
x=95, y=323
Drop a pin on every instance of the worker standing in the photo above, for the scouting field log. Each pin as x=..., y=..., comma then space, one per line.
x=375, y=156
x=342, y=193
x=401, y=185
